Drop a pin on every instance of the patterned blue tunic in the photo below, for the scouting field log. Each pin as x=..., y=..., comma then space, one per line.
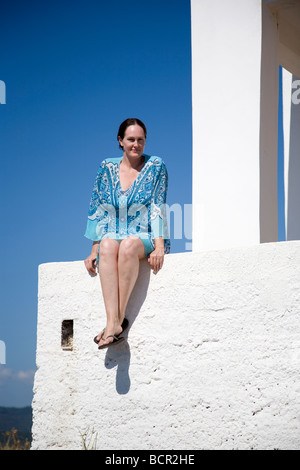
x=138, y=211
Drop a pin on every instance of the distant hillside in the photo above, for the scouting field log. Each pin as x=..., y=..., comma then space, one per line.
x=16, y=418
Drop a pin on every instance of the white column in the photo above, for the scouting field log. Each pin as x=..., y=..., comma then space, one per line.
x=227, y=52
x=286, y=108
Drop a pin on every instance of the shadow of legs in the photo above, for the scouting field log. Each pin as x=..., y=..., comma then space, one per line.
x=119, y=357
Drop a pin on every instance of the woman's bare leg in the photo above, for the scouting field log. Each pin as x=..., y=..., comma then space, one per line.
x=118, y=269
x=108, y=271
x=131, y=251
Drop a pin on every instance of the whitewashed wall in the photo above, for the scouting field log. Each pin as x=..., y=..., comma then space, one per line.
x=237, y=47
x=211, y=362
x=226, y=91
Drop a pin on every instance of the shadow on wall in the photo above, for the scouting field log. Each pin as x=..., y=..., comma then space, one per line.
x=120, y=356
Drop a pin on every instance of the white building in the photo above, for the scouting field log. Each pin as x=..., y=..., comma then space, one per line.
x=237, y=47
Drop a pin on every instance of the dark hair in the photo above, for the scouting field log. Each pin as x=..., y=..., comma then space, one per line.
x=130, y=122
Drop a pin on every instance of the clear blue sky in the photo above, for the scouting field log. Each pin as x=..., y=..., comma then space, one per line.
x=74, y=70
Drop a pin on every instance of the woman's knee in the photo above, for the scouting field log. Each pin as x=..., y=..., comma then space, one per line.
x=108, y=247
x=131, y=247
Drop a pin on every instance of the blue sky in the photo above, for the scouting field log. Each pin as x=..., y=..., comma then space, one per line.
x=74, y=70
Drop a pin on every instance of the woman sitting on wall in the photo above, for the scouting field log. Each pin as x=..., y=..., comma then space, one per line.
x=127, y=223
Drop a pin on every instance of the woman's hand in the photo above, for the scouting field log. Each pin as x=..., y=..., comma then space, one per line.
x=90, y=260
x=156, y=258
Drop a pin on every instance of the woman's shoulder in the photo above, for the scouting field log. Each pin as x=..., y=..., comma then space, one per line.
x=108, y=161
x=111, y=160
x=155, y=160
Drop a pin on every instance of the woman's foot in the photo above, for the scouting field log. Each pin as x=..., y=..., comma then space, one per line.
x=108, y=334
x=115, y=340
x=104, y=336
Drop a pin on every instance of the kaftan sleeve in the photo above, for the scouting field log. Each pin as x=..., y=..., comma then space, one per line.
x=159, y=222
x=92, y=228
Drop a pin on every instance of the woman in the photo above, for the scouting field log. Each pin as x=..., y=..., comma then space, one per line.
x=127, y=223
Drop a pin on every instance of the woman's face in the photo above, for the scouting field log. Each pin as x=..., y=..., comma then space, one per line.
x=134, y=141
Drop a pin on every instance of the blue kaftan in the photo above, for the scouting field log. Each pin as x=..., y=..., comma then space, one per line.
x=138, y=211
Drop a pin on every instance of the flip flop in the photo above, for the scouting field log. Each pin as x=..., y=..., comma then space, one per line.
x=97, y=340
x=124, y=327
x=116, y=340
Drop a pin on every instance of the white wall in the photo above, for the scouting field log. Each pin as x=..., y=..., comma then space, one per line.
x=211, y=359
x=236, y=50
x=226, y=73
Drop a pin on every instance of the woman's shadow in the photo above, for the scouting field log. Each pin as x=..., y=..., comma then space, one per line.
x=119, y=355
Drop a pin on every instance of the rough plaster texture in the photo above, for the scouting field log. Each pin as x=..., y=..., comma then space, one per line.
x=211, y=359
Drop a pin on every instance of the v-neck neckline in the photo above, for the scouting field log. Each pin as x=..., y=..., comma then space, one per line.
x=137, y=177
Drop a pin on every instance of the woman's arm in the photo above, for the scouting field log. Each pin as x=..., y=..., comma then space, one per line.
x=156, y=258
x=90, y=260
x=92, y=222
x=159, y=220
